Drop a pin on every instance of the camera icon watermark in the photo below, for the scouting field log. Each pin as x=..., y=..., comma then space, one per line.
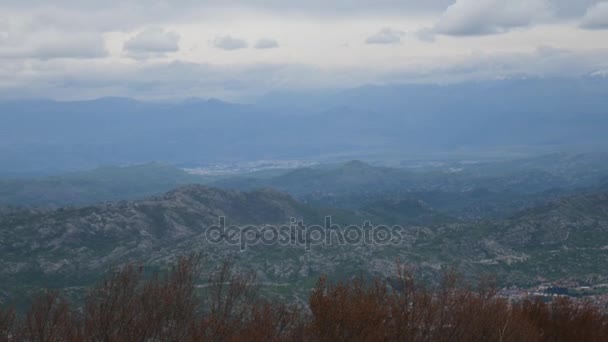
x=296, y=233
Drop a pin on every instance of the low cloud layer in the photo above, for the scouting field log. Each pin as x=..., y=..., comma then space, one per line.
x=315, y=7
x=266, y=43
x=163, y=80
x=229, y=43
x=153, y=42
x=47, y=45
x=385, y=36
x=596, y=17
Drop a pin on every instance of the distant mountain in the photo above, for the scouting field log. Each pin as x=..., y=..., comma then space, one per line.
x=604, y=185
x=98, y=185
x=42, y=136
x=485, y=118
x=465, y=190
x=570, y=168
x=475, y=190
x=353, y=176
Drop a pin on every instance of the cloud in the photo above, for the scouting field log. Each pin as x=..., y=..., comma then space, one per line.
x=54, y=50
x=129, y=15
x=46, y=45
x=596, y=17
x=266, y=43
x=184, y=6
x=484, y=17
x=426, y=35
x=79, y=46
x=571, y=9
x=539, y=62
x=385, y=36
x=153, y=42
x=77, y=79
x=228, y=43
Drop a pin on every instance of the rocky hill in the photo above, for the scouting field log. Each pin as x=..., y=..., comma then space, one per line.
x=71, y=247
x=564, y=238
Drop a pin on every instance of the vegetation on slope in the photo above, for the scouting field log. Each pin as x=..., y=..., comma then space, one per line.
x=171, y=307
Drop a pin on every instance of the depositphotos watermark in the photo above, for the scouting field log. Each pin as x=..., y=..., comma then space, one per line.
x=298, y=234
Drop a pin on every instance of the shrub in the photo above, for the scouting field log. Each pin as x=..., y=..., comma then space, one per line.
x=126, y=307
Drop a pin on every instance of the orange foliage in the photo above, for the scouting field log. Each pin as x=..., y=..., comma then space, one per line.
x=125, y=307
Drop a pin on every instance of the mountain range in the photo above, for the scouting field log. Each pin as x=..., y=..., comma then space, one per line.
x=69, y=248
x=462, y=189
x=40, y=137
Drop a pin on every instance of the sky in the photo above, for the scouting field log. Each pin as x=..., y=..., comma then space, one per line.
x=240, y=49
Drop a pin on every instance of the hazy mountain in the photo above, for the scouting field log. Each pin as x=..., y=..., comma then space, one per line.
x=98, y=185
x=458, y=189
x=465, y=190
x=353, y=176
x=401, y=120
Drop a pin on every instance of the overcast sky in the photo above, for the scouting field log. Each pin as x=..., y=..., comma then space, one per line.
x=237, y=49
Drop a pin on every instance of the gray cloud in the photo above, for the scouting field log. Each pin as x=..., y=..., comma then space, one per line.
x=483, y=17
x=153, y=42
x=426, y=35
x=310, y=6
x=47, y=36
x=266, y=43
x=128, y=15
x=229, y=43
x=52, y=45
x=165, y=80
x=571, y=8
x=596, y=17
x=77, y=47
x=543, y=62
x=385, y=36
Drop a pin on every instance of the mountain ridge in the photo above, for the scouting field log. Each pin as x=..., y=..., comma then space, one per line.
x=391, y=120
x=49, y=246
